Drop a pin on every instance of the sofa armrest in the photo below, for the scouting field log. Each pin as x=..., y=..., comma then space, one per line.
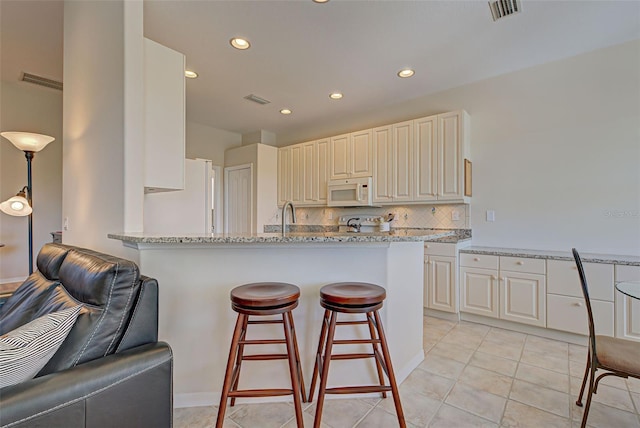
x=129, y=389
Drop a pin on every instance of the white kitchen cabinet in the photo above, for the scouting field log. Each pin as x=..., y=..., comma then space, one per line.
x=393, y=163
x=309, y=179
x=425, y=158
x=566, y=310
x=441, y=144
x=297, y=174
x=321, y=176
x=508, y=288
x=284, y=175
x=164, y=101
x=351, y=155
x=441, y=276
x=627, y=308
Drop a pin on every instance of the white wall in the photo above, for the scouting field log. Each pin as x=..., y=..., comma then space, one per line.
x=210, y=143
x=94, y=119
x=26, y=107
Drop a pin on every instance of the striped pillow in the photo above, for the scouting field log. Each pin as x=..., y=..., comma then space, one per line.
x=25, y=350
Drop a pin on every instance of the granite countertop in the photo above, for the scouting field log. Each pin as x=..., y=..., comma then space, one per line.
x=554, y=255
x=395, y=235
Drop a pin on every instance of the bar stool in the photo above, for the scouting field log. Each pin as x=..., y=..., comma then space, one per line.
x=261, y=299
x=353, y=297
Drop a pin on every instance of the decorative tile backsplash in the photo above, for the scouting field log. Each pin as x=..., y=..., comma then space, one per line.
x=423, y=216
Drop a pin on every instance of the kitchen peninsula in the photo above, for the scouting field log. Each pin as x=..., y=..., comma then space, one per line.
x=197, y=272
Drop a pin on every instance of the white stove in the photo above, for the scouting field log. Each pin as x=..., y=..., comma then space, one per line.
x=363, y=223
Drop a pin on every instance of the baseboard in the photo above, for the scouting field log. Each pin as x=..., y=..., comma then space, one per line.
x=195, y=399
x=10, y=280
x=409, y=367
x=442, y=315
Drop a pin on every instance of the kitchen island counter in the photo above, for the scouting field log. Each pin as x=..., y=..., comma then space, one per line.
x=196, y=274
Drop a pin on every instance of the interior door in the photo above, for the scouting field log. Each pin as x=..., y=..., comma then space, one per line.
x=238, y=194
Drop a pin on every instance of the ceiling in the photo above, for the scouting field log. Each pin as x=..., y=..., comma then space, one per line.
x=301, y=51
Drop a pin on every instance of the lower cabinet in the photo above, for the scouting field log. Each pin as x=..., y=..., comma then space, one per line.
x=508, y=288
x=441, y=277
x=627, y=308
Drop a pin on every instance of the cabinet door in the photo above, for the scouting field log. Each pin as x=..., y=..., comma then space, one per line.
x=309, y=174
x=361, y=154
x=382, y=164
x=297, y=174
x=284, y=175
x=441, y=283
x=164, y=102
x=523, y=298
x=450, y=135
x=322, y=152
x=627, y=308
x=339, y=165
x=402, y=162
x=425, y=158
x=479, y=291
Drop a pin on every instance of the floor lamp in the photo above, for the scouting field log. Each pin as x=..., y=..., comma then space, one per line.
x=21, y=204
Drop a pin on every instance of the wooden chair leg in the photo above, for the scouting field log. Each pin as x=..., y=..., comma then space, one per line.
x=226, y=386
x=589, y=395
x=321, y=343
x=239, y=355
x=390, y=374
x=325, y=369
x=293, y=368
x=376, y=352
x=584, y=380
x=303, y=391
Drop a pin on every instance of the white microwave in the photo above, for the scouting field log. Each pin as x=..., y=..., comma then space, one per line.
x=350, y=192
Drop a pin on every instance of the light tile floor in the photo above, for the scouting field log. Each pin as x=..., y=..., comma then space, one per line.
x=472, y=376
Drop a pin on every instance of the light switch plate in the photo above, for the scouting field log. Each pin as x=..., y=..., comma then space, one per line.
x=455, y=215
x=491, y=215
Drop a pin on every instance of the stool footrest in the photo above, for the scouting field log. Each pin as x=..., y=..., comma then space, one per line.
x=351, y=356
x=357, y=389
x=262, y=342
x=278, y=321
x=260, y=357
x=351, y=322
x=355, y=341
x=260, y=392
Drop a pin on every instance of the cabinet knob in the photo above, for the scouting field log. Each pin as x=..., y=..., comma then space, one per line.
x=577, y=304
x=476, y=259
x=502, y=278
x=520, y=262
x=493, y=277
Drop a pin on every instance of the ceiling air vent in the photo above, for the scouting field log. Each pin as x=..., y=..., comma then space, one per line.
x=502, y=8
x=42, y=81
x=256, y=99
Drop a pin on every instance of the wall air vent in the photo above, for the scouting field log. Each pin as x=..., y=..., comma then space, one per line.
x=42, y=81
x=256, y=99
x=502, y=8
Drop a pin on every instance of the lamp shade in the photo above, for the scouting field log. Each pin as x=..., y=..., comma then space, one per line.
x=16, y=206
x=27, y=141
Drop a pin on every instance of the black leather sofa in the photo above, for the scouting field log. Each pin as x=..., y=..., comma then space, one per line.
x=110, y=371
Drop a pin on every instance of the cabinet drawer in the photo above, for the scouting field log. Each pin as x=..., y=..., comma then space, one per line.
x=479, y=261
x=522, y=264
x=570, y=314
x=439, y=249
x=563, y=278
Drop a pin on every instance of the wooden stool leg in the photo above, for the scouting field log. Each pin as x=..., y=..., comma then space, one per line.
x=376, y=352
x=226, y=386
x=321, y=343
x=239, y=355
x=392, y=377
x=298, y=362
x=325, y=369
x=293, y=368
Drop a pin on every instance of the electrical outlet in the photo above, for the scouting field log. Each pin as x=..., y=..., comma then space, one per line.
x=455, y=215
x=330, y=215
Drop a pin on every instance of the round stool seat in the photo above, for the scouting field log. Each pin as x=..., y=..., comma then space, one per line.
x=264, y=295
x=352, y=294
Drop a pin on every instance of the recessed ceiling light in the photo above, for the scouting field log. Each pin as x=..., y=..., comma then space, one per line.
x=285, y=111
x=335, y=96
x=190, y=74
x=240, y=43
x=320, y=1
x=407, y=72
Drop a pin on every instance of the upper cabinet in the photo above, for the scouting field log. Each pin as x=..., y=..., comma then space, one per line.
x=416, y=161
x=164, y=100
x=351, y=155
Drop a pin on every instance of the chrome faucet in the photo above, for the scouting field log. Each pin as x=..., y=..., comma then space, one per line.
x=284, y=215
x=355, y=227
